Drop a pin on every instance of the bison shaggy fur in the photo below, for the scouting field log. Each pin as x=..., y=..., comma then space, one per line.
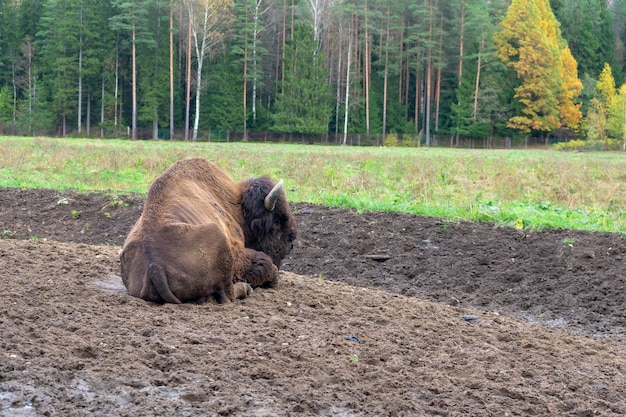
x=201, y=236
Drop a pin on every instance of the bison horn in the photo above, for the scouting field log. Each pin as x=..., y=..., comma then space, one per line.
x=272, y=196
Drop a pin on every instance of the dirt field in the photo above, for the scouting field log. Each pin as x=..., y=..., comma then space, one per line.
x=376, y=315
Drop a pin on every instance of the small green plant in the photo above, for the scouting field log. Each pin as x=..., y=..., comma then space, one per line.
x=6, y=234
x=569, y=241
x=353, y=358
x=118, y=203
x=320, y=278
x=107, y=215
x=391, y=140
x=33, y=239
x=75, y=214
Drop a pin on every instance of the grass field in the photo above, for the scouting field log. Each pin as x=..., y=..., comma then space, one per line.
x=530, y=189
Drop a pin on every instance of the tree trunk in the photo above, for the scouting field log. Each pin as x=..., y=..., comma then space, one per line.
x=280, y=49
x=428, y=99
x=201, y=48
x=14, y=85
x=366, y=73
x=134, y=87
x=400, y=63
x=117, y=83
x=386, y=75
x=439, y=66
x=338, y=93
x=245, y=93
x=282, y=52
x=188, y=86
x=345, y=113
x=29, y=54
x=461, y=47
x=429, y=64
x=407, y=81
x=171, y=70
x=88, y=115
x=480, y=52
x=418, y=92
x=102, y=108
x=196, y=118
x=80, y=70
x=255, y=39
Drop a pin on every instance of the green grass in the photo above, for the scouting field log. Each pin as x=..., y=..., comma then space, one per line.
x=530, y=189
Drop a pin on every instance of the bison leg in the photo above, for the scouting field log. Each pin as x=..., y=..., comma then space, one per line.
x=261, y=270
x=240, y=290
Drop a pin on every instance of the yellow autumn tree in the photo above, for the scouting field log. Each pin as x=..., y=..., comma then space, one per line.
x=607, y=106
x=596, y=120
x=622, y=98
x=616, y=115
x=571, y=87
x=529, y=41
x=606, y=86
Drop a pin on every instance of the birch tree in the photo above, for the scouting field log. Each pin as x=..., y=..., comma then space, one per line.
x=207, y=20
x=347, y=99
x=249, y=45
x=318, y=10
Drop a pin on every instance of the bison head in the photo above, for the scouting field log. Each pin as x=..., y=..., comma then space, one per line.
x=269, y=224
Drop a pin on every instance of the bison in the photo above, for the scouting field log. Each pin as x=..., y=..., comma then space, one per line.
x=201, y=235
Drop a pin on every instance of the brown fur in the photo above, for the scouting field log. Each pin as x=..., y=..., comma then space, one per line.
x=202, y=236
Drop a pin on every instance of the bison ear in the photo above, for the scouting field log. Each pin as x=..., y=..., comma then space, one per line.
x=261, y=226
x=272, y=196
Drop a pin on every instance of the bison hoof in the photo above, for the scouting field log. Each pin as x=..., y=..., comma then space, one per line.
x=242, y=290
x=273, y=283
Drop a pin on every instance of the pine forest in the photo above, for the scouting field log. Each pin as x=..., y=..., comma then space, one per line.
x=386, y=72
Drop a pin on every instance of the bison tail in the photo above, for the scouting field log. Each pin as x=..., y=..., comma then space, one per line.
x=156, y=274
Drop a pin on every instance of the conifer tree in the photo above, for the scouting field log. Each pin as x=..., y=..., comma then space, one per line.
x=248, y=44
x=59, y=40
x=132, y=18
x=588, y=27
x=10, y=37
x=472, y=112
x=152, y=68
x=306, y=106
x=222, y=106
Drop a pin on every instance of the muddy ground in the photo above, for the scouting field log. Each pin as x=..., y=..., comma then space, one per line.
x=377, y=315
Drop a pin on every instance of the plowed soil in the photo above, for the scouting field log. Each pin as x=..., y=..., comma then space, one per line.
x=377, y=314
